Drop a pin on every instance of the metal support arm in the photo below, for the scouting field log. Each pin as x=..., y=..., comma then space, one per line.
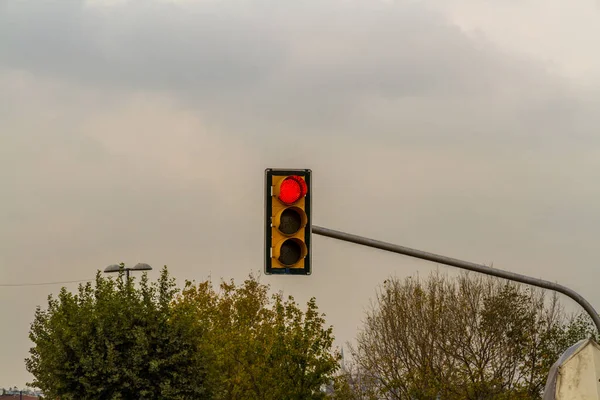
x=461, y=264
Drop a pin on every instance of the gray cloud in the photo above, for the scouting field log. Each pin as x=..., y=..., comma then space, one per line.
x=140, y=44
x=316, y=65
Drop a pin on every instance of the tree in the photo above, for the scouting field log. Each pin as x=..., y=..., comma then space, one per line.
x=265, y=347
x=473, y=337
x=116, y=341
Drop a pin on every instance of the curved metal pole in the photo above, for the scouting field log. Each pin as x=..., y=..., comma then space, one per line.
x=461, y=264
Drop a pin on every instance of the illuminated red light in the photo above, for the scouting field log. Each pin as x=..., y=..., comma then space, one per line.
x=292, y=189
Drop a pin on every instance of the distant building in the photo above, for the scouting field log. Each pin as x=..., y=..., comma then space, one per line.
x=19, y=394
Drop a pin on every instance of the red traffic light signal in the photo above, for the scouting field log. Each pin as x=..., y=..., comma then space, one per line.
x=287, y=221
x=291, y=189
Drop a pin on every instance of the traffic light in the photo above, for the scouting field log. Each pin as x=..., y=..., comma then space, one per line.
x=287, y=221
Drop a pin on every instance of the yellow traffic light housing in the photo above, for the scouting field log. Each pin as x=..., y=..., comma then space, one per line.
x=287, y=221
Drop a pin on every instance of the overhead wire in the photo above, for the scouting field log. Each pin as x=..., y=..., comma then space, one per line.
x=42, y=283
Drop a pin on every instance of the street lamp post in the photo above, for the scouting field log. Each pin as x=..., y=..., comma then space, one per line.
x=137, y=267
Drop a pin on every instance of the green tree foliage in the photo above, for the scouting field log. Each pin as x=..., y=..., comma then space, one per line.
x=473, y=337
x=265, y=347
x=116, y=341
x=152, y=341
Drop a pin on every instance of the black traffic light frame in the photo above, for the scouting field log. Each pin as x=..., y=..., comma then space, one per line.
x=307, y=175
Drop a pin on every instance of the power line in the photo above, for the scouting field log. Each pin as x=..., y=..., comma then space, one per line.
x=42, y=283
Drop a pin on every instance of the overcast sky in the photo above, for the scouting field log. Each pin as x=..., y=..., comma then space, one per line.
x=139, y=131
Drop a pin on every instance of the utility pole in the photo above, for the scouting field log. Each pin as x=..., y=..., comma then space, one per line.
x=453, y=262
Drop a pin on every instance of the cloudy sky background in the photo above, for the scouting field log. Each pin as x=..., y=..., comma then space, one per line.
x=139, y=131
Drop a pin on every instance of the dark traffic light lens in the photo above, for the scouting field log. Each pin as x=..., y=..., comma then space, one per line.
x=290, y=221
x=290, y=252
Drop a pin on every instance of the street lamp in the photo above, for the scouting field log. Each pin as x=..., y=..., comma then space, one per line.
x=137, y=267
